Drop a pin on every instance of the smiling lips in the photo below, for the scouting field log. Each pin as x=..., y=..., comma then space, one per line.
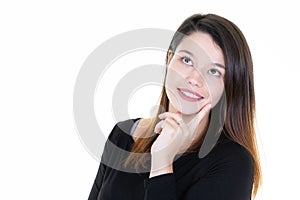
x=189, y=95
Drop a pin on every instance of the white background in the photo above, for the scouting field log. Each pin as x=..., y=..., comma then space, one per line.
x=43, y=45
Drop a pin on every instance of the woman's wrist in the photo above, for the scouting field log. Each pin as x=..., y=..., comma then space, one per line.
x=165, y=170
x=161, y=165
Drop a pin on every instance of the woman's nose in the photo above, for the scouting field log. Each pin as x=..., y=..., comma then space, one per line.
x=195, y=78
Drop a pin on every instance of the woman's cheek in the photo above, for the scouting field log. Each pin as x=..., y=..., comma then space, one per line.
x=215, y=91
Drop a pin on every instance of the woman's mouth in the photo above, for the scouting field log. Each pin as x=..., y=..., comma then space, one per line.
x=189, y=95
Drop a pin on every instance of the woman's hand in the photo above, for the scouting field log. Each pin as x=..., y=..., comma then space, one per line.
x=175, y=137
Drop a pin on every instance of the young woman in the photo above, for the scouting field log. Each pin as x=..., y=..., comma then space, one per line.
x=207, y=100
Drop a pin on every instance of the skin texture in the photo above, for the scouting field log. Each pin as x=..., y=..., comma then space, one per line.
x=197, y=65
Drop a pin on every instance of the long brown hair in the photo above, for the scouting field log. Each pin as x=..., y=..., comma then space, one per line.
x=239, y=89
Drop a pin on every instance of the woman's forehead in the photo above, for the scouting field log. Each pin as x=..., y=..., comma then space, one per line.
x=201, y=45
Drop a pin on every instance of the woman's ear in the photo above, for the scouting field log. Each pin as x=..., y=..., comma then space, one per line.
x=170, y=55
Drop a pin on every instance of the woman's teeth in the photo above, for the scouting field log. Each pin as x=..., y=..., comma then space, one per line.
x=190, y=95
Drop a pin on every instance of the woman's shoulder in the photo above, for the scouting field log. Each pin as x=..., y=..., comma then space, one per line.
x=126, y=131
x=122, y=130
x=139, y=127
x=118, y=144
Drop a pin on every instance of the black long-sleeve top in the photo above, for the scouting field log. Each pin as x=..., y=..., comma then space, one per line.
x=225, y=173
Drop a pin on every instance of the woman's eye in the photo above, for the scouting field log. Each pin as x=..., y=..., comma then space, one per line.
x=214, y=72
x=187, y=61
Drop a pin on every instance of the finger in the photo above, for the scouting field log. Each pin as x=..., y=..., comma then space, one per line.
x=171, y=122
x=201, y=114
x=158, y=127
x=176, y=116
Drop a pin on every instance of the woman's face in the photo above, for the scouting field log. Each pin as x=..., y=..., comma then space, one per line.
x=195, y=74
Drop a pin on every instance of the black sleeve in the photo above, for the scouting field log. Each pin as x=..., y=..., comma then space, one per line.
x=229, y=178
x=160, y=187
x=97, y=183
x=116, y=137
x=101, y=170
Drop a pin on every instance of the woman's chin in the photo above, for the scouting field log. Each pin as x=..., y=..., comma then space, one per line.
x=189, y=112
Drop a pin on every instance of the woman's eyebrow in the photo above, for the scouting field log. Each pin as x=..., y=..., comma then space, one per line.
x=219, y=65
x=186, y=51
